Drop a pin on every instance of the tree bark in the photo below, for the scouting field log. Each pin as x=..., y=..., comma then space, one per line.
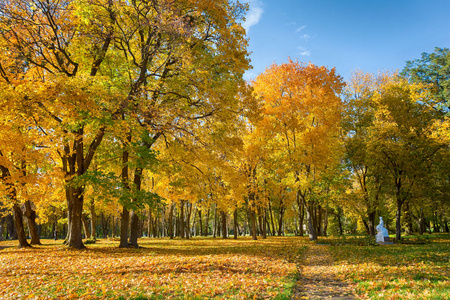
x=224, y=224
x=371, y=223
x=124, y=224
x=235, y=224
x=182, y=229
x=271, y=219
x=171, y=221
x=125, y=217
x=301, y=213
x=310, y=217
x=215, y=221
x=200, y=221
x=206, y=232
x=253, y=224
x=93, y=219
x=18, y=222
x=75, y=239
x=31, y=216
x=280, y=221
x=134, y=229
x=11, y=231
x=264, y=226
x=84, y=221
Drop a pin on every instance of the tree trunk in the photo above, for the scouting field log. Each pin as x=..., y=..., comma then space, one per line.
x=124, y=224
x=11, y=231
x=215, y=221
x=171, y=221
x=84, y=221
x=398, y=224
x=224, y=224
x=319, y=220
x=18, y=222
x=200, y=221
x=371, y=223
x=93, y=219
x=182, y=229
x=271, y=219
x=264, y=226
x=325, y=222
x=31, y=216
x=280, y=221
x=301, y=214
x=207, y=223
x=408, y=219
x=253, y=224
x=188, y=220
x=134, y=229
x=75, y=239
x=235, y=224
x=310, y=217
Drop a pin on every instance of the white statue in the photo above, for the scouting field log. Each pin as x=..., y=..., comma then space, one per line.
x=382, y=235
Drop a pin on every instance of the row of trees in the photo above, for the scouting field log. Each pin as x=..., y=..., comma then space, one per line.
x=135, y=113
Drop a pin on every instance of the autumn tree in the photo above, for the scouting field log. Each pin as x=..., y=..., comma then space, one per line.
x=402, y=138
x=301, y=112
x=96, y=62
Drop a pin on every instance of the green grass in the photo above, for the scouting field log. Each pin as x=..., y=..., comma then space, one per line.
x=399, y=271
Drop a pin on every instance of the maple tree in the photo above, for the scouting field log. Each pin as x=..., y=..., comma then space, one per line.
x=301, y=112
x=96, y=62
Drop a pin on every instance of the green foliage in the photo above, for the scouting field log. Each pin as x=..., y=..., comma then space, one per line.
x=434, y=69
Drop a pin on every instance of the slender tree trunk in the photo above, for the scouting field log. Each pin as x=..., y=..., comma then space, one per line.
x=20, y=229
x=182, y=229
x=310, y=218
x=371, y=223
x=253, y=224
x=301, y=213
x=188, y=220
x=235, y=229
x=398, y=224
x=408, y=219
x=215, y=221
x=84, y=221
x=325, y=221
x=206, y=232
x=224, y=224
x=31, y=216
x=280, y=221
x=264, y=226
x=171, y=221
x=271, y=219
x=200, y=221
x=93, y=221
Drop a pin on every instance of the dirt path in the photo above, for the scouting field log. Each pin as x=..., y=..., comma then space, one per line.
x=317, y=280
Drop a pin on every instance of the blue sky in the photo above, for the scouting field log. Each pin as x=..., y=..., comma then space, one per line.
x=370, y=35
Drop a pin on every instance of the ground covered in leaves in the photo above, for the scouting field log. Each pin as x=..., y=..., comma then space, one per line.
x=163, y=269
x=279, y=267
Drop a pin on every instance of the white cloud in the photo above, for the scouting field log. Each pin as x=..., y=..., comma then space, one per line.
x=305, y=37
x=303, y=51
x=300, y=28
x=253, y=15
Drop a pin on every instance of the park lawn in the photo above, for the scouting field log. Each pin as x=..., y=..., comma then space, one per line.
x=399, y=271
x=198, y=268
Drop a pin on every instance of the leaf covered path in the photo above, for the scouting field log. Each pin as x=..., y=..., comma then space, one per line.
x=317, y=280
